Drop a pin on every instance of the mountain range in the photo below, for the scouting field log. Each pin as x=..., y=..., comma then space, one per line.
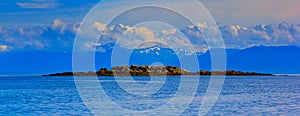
x=265, y=59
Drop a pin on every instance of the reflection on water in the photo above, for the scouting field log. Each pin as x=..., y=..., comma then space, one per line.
x=240, y=95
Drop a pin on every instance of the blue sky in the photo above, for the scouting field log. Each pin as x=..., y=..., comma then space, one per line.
x=243, y=12
x=50, y=25
x=37, y=12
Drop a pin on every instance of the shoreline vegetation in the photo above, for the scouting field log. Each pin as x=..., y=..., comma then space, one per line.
x=135, y=70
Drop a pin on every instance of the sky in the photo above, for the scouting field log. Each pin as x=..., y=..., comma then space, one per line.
x=243, y=12
x=51, y=25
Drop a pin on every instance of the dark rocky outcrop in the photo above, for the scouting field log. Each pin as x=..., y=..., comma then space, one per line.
x=135, y=70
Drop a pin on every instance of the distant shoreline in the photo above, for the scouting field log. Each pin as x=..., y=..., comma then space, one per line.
x=135, y=70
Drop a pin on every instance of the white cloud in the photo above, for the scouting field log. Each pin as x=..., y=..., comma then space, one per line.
x=3, y=48
x=57, y=23
x=146, y=33
x=37, y=5
x=90, y=45
x=63, y=27
x=168, y=32
x=202, y=25
x=99, y=26
x=295, y=30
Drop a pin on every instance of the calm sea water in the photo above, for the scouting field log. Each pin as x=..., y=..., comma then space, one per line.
x=240, y=95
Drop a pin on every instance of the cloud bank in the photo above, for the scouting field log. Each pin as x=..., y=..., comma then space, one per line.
x=59, y=36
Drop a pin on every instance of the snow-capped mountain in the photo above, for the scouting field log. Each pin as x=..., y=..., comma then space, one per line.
x=157, y=50
x=273, y=59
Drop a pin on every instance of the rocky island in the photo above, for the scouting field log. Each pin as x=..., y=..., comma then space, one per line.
x=135, y=70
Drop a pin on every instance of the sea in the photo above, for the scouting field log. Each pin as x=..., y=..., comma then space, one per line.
x=171, y=95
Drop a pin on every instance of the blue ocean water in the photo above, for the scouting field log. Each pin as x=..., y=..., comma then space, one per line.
x=36, y=95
